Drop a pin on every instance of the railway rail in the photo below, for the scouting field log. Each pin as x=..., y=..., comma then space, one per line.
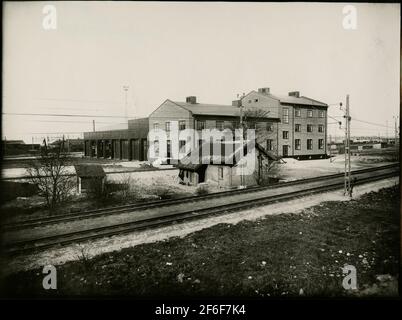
x=31, y=223
x=46, y=242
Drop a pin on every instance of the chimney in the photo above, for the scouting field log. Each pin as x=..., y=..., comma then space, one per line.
x=191, y=99
x=263, y=90
x=294, y=94
x=236, y=103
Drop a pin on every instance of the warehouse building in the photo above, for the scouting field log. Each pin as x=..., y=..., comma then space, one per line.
x=126, y=144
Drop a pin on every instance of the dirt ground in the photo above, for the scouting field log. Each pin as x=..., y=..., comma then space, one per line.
x=294, y=254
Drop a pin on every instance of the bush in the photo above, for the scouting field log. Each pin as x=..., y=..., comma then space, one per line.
x=162, y=192
x=202, y=190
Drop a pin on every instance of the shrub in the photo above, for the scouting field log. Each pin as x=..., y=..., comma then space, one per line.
x=202, y=190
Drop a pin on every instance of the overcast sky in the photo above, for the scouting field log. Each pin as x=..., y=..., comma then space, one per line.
x=210, y=50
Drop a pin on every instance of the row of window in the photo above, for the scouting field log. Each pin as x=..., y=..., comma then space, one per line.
x=270, y=145
x=182, y=125
x=297, y=112
x=285, y=134
x=298, y=144
x=220, y=125
x=309, y=128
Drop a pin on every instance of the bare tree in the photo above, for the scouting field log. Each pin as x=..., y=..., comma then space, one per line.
x=258, y=120
x=49, y=173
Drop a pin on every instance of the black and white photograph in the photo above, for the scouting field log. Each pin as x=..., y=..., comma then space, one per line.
x=211, y=150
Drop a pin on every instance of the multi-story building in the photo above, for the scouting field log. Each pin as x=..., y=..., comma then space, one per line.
x=301, y=131
x=292, y=126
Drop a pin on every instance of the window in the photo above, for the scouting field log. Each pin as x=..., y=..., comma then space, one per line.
x=234, y=124
x=156, y=148
x=285, y=134
x=309, y=128
x=251, y=125
x=220, y=173
x=219, y=125
x=269, y=145
x=309, y=113
x=249, y=101
x=269, y=127
x=167, y=126
x=297, y=112
x=182, y=145
x=320, y=128
x=200, y=124
x=156, y=126
x=321, y=114
x=297, y=127
x=320, y=143
x=182, y=125
x=309, y=144
x=256, y=100
x=297, y=144
x=285, y=115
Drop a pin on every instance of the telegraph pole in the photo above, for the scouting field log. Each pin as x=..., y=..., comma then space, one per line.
x=396, y=136
x=241, y=138
x=386, y=125
x=125, y=88
x=347, y=149
x=93, y=125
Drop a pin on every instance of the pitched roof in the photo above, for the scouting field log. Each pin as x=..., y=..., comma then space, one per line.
x=301, y=100
x=196, y=159
x=294, y=100
x=210, y=109
x=89, y=170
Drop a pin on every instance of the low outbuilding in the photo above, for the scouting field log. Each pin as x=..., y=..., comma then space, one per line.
x=90, y=176
x=226, y=169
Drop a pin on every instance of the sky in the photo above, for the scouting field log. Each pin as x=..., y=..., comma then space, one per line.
x=210, y=50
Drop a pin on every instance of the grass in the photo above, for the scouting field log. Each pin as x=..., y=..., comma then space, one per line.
x=275, y=256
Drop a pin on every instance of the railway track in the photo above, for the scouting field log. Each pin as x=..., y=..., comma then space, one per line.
x=31, y=223
x=46, y=242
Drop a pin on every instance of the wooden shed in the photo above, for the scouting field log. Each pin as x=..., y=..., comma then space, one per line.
x=222, y=168
x=89, y=176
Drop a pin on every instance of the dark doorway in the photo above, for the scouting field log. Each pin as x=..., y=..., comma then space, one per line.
x=144, y=144
x=135, y=149
x=201, y=173
x=285, y=151
x=168, y=151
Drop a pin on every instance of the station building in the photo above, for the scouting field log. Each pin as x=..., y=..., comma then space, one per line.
x=294, y=126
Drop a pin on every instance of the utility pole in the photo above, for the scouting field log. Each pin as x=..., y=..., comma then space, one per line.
x=241, y=138
x=347, y=149
x=386, y=125
x=396, y=136
x=93, y=125
x=125, y=88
